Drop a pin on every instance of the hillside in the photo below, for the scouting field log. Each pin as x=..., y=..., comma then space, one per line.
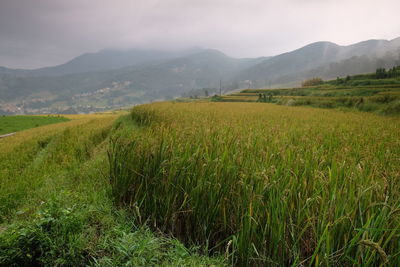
x=324, y=59
x=111, y=79
x=107, y=59
x=377, y=92
x=97, y=91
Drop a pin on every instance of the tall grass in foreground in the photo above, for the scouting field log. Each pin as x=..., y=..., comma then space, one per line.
x=55, y=206
x=265, y=184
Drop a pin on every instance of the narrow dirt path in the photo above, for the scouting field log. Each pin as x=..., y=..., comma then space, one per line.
x=6, y=135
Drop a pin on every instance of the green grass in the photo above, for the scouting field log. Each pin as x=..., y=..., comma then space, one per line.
x=203, y=184
x=56, y=205
x=10, y=124
x=266, y=185
x=373, y=92
x=383, y=98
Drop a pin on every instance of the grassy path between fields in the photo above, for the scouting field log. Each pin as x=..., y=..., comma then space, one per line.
x=56, y=207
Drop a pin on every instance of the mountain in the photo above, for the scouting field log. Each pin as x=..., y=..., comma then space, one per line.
x=92, y=91
x=324, y=59
x=16, y=72
x=111, y=79
x=289, y=63
x=103, y=60
x=200, y=70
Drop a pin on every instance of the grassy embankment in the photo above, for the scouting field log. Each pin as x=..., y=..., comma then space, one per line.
x=9, y=124
x=56, y=207
x=265, y=184
x=360, y=92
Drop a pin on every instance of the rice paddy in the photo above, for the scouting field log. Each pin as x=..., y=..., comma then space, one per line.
x=9, y=124
x=264, y=184
x=382, y=98
x=55, y=205
x=246, y=184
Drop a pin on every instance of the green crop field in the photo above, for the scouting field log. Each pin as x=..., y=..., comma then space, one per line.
x=55, y=205
x=10, y=124
x=366, y=93
x=204, y=184
x=265, y=184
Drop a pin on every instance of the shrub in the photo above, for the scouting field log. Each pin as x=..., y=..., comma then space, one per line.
x=312, y=82
x=392, y=108
x=216, y=98
x=54, y=237
x=291, y=102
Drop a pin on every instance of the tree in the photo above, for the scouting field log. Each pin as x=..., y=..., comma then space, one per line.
x=380, y=73
x=339, y=81
x=312, y=82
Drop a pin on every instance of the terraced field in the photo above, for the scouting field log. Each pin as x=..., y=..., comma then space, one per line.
x=382, y=99
x=206, y=183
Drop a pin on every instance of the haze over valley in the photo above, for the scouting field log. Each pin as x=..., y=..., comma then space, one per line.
x=112, y=79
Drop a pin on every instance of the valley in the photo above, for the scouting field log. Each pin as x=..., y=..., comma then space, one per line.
x=119, y=79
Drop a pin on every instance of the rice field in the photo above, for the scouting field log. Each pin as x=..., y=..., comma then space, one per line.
x=35, y=134
x=9, y=124
x=55, y=204
x=264, y=184
x=248, y=184
x=382, y=99
x=34, y=157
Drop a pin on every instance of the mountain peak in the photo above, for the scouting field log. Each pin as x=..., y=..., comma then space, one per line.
x=319, y=45
x=210, y=51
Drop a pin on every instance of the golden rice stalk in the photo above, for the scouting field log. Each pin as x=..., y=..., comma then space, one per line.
x=375, y=246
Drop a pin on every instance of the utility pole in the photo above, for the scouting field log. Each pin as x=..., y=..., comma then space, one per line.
x=220, y=87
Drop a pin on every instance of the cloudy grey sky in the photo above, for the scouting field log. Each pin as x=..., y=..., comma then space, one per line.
x=37, y=33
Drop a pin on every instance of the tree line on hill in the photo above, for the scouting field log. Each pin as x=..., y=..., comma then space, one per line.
x=382, y=73
x=379, y=74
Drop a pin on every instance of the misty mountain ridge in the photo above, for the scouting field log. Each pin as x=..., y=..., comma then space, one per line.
x=321, y=59
x=106, y=59
x=111, y=78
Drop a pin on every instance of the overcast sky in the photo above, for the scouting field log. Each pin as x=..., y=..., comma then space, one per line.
x=37, y=33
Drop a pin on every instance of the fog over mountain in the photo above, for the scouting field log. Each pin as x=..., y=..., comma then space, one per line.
x=41, y=33
x=111, y=79
x=324, y=59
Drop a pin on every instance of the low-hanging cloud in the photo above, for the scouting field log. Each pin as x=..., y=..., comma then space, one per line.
x=48, y=32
